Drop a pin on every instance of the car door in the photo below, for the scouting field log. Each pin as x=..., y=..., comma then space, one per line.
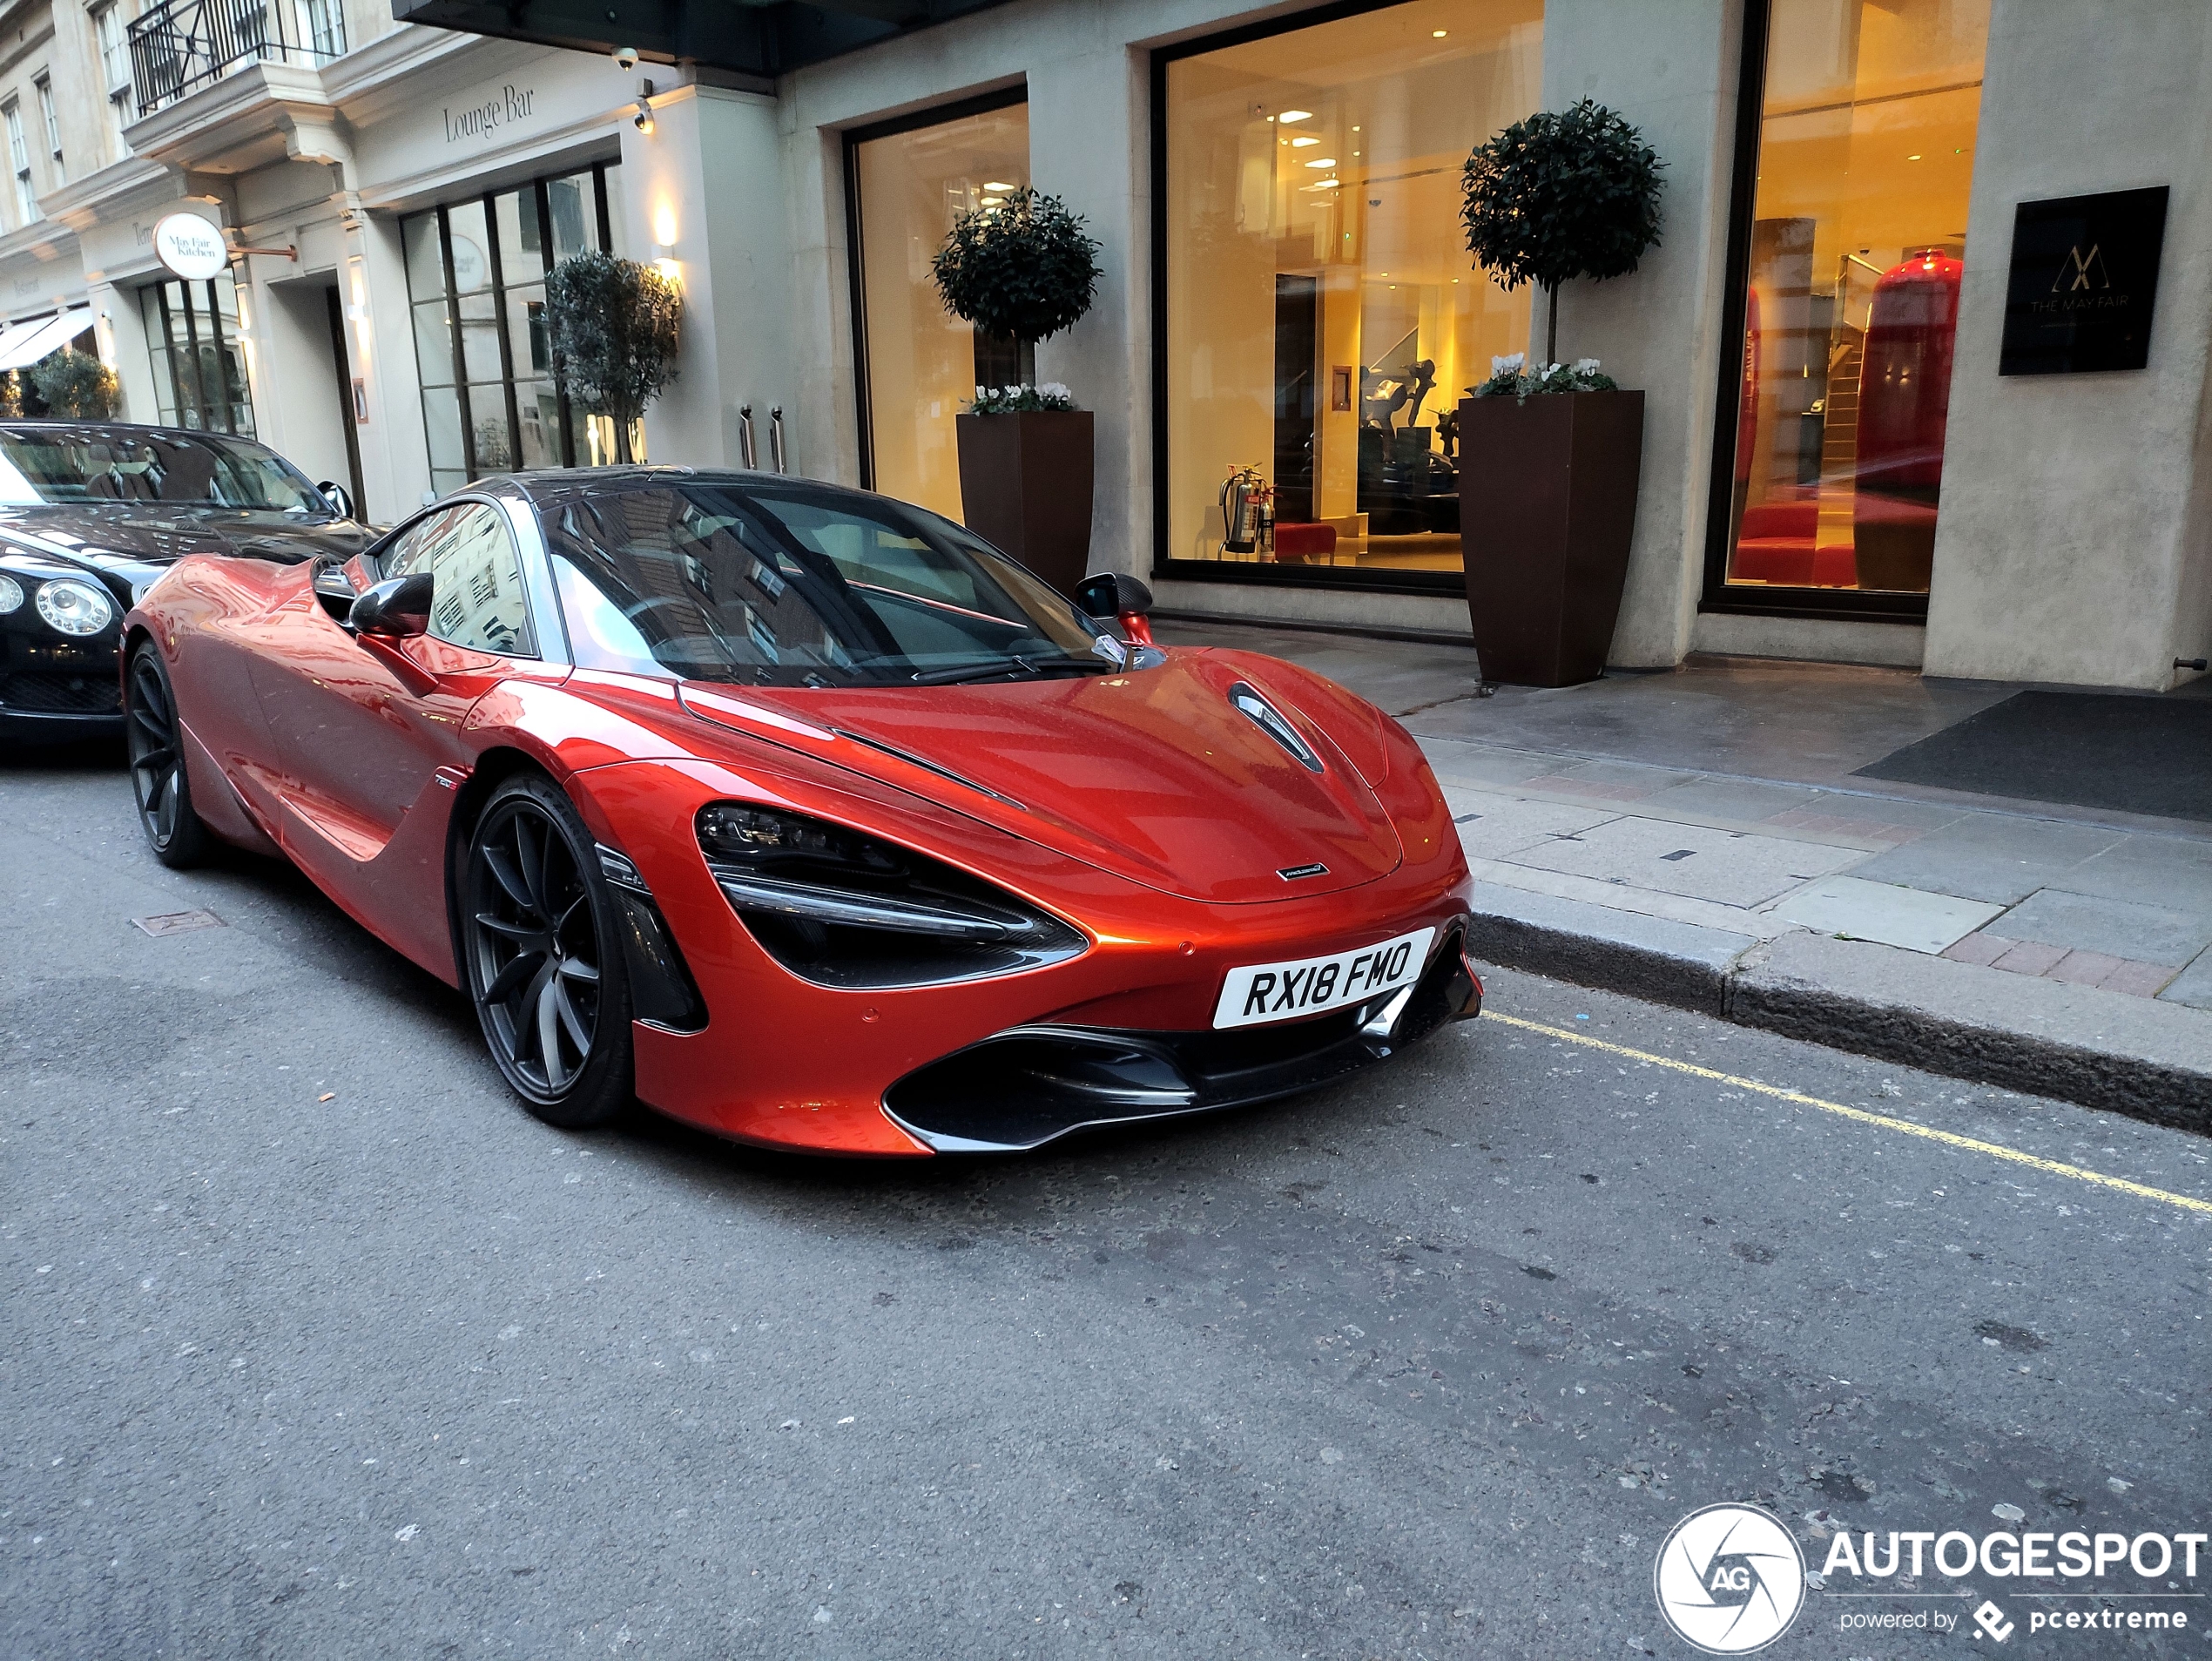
x=363, y=726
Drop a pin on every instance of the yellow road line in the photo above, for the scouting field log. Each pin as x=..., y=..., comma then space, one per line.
x=1973, y=1144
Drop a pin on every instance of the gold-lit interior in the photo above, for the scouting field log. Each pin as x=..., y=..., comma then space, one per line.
x=1315, y=257
x=1865, y=161
x=922, y=364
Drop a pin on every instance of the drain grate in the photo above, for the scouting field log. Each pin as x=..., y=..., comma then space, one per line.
x=177, y=922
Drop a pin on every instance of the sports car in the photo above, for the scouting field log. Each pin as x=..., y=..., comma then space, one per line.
x=92, y=511
x=805, y=816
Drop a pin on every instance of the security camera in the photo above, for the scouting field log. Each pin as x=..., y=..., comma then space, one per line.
x=625, y=57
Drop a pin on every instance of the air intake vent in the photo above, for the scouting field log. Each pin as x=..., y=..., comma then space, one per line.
x=1270, y=720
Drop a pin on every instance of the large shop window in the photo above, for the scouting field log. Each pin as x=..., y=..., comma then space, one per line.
x=1852, y=195
x=1319, y=315
x=475, y=279
x=200, y=360
x=905, y=184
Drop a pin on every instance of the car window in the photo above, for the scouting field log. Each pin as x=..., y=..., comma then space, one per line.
x=57, y=462
x=790, y=585
x=477, y=601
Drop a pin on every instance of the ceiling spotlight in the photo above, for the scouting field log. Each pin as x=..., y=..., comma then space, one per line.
x=1325, y=161
x=994, y=184
x=1300, y=144
x=1296, y=115
x=1436, y=34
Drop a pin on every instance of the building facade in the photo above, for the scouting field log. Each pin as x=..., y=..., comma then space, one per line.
x=1924, y=343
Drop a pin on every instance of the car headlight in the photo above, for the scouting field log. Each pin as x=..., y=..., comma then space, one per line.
x=11, y=594
x=844, y=909
x=75, y=608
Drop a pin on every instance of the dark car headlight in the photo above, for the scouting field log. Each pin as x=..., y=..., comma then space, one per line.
x=74, y=608
x=846, y=909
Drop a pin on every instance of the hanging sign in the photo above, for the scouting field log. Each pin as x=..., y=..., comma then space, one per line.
x=191, y=246
x=2083, y=276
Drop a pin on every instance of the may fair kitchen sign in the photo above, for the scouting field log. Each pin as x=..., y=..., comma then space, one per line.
x=479, y=121
x=191, y=246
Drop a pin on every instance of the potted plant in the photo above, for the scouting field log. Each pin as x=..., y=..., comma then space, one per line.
x=76, y=385
x=614, y=326
x=1024, y=270
x=1549, y=457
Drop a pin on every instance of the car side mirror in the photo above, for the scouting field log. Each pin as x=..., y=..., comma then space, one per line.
x=341, y=499
x=1113, y=594
x=1120, y=596
x=393, y=609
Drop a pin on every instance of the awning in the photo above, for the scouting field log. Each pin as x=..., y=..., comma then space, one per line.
x=28, y=342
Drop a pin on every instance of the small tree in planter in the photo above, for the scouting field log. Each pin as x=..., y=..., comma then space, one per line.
x=1024, y=271
x=1549, y=456
x=615, y=326
x=1562, y=196
x=77, y=385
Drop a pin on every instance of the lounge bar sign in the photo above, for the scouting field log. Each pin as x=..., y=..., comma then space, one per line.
x=2085, y=273
x=191, y=246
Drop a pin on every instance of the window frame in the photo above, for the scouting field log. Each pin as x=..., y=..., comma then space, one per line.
x=112, y=46
x=937, y=115
x=1369, y=580
x=19, y=162
x=602, y=233
x=1819, y=605
x=42, y=84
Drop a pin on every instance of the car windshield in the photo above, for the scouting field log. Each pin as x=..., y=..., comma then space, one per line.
x=61, y=464
x=797, y=585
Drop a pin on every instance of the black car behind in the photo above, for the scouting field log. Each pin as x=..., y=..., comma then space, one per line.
x=90, y=513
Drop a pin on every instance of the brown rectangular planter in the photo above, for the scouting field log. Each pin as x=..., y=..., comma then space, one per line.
x=1025, y=486
x=1547, y=508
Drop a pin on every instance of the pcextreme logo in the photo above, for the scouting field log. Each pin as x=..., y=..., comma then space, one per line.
x=1730, y=1579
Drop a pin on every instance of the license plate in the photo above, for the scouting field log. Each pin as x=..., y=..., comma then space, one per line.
x=1311, y=985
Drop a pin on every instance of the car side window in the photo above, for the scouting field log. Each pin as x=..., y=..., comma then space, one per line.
x=470, y=552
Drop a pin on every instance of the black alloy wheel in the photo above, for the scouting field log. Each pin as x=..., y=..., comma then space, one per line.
x=157, y=778
x=544, y=961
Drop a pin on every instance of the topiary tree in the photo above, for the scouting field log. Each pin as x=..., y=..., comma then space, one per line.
x=1559, y=196
x=77, y=385
x=1024, y=268
x=614, y=327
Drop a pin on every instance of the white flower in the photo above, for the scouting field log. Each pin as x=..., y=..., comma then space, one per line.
x=1586, y=366
x=1509, y=365
x=1056, y=390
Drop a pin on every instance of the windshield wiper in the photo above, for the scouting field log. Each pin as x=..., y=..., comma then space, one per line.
x=1010, y=666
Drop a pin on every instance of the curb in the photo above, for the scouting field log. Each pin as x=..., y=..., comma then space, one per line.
x=1726, y=975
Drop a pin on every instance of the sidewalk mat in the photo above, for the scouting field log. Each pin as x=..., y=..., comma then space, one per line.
x=2126, y=754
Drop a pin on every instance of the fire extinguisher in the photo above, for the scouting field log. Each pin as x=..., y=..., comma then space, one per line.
x=1247, y=511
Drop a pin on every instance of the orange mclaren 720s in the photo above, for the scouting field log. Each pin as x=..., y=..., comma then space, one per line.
x=805, y=816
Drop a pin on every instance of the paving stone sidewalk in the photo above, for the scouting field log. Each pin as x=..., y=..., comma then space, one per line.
x=1701, y=838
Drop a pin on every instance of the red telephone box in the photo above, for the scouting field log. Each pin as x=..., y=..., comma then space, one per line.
x=1904, y=399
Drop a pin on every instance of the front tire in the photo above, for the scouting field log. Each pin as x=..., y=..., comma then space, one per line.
x=178, y=837
x=543, y=957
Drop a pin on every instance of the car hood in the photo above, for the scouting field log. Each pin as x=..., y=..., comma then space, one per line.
x=1152, y=774
x=158, y=534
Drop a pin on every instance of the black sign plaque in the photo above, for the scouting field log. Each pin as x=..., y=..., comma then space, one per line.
x=2085, y=271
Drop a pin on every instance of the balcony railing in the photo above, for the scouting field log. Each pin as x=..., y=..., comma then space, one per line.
x=181, y=45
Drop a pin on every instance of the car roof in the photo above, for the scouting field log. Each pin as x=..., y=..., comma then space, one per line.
x=565, y=483
x=129, y=429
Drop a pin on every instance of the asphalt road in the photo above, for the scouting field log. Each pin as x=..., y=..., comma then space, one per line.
x=1428, y=1365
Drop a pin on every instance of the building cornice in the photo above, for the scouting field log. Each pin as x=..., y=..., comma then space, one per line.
x=120, y=188
x=254, y=115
